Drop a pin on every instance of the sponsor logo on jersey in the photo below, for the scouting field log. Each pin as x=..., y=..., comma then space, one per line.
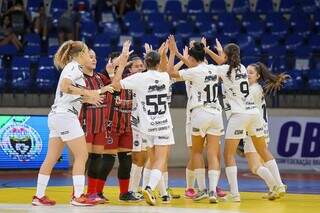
x=164, y=137
x=136, y=143
x=210, y=78
x=195, y=129
x=259, y=129
x=158, y=88
x=21, y=142
x=109, y=140
x=238, y=132
x=240, y=76
x=64, y=132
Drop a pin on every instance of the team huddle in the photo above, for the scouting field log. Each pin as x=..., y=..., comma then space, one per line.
x=124, y=112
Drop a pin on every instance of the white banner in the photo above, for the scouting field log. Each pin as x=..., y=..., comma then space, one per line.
x=295, y=143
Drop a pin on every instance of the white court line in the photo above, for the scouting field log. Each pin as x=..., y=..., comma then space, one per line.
x=22, y=208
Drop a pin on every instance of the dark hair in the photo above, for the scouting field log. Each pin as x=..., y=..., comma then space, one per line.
x=272, y=82
x=197, y=51
x=233, y=57
x=134, y=57
x=152, y=59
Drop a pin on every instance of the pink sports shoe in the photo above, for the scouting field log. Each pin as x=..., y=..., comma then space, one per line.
x=44, y=201
x=190, y=193
x=83, y=200
x=95, y=197
x=220, y=192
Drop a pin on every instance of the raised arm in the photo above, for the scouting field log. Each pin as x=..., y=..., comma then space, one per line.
x=163, y=56
x=122, y=64
x=219, y=58
x=173, y=48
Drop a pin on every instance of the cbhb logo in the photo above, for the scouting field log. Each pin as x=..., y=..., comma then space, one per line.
x=310, y=139
x=21, y=142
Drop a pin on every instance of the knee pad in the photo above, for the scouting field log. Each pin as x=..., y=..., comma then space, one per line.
x=125, y=162
x=106, y=165
x=93, y=164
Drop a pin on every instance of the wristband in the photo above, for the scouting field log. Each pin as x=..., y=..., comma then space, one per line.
x=99, y=91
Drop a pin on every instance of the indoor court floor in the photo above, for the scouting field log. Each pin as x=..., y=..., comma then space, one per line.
x=17, y=188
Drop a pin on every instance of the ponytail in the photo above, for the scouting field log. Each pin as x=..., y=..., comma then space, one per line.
x=67, y=51
x=232, y=52
x=272, y=82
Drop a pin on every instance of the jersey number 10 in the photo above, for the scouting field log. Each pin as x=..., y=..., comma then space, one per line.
x=211, y=97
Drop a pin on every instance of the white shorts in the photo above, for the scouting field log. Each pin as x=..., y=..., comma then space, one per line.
x=248, y=144
x=241, y=124
x=65, y=126
x=138, y=145
x=152, y=141
x=204, y=122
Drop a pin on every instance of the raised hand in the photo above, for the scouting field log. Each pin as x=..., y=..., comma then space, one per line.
x=148, y=48
x=186, y=52
x=219, y=47
x=172, y=44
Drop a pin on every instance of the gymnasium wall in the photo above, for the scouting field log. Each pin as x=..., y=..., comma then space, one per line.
x=295, y=136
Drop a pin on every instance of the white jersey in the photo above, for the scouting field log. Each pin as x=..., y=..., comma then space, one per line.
x=64, y=102
x=188, y=88
x=204, y=89
x=134, y=113
x=236, y=90
x=259, y=100
x=151, y=89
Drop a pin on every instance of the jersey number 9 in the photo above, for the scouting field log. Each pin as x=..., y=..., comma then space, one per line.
x=244, y=88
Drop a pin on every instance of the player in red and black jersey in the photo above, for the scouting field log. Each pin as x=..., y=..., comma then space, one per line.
x=93, y=119
x=119, y=132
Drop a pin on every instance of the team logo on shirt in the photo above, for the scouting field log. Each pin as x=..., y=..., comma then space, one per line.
x=21, y=142
x=109, y=140
x=240, y=76
x=238, y=132
x=136, y=143
x=158, y=88
x=210, y=78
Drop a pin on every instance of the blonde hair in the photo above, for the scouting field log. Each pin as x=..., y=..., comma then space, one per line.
x=67, y=51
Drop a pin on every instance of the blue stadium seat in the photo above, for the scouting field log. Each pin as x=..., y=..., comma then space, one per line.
x=102, y=45
x=33, y=49
x=85, y=16
x=301, y=23
x=314, y=42
x=231, y=29
x=33, y=5
x=185, y=30
x=81, y=5
x=247, y=60
x=264, y=6
x=255, y=29
x=202, y=19
x=131, y=17
x=293, y=42
x=273, y=18
x=136, y=30
x=278, y=51
x=46, y=77
x=3, y=79
x=244, y=41
x=280, y=28
x=287, y=6
x=314, y=80
x=154, y=21
x=218, y=7
x=113, y=29
x=88, y=30
x=308, y=6
x=173, y=7
x=8, y=49
x=21, y=80
x=52, y=50
x=150, y=39
x=302, y=57
x=240, y=6
x=162, y=31
x=58, y=5
x=55, y=17
x=101, y=64
x=251, y=50
x=149, y=7
x=268, y=41
x=278, y=64
x=208, y=30
x=248, y=18
x=195, y=7
x=295, y=82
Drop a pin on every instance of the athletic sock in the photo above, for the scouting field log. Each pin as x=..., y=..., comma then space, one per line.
x=190, y=178
x=132, y=176
x=166, y=179
x=146, y=177
x=213, y=179
x=155, y=177
x=231, y=173
x=125, y=162
x=201, y=178
x=78, y=185
x=42, y=184
x=136, y=179
x=162, y=187
x=265, y=174
x=274, y=170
